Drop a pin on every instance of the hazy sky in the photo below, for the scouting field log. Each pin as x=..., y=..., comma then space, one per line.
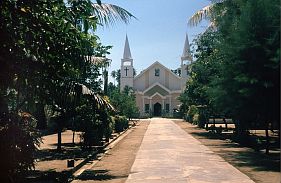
x=157, y=35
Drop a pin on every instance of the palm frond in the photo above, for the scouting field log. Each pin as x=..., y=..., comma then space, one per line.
x=99, y=100
x=197, y=17
x=204, y=13
x=100, y=61
x=108, y=14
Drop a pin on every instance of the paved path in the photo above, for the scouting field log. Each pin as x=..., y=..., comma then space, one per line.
x=169, y=154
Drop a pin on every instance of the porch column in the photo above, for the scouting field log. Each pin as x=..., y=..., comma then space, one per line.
x=170, y=103
x=163, y=104
x=143, y=107
x=150, y=104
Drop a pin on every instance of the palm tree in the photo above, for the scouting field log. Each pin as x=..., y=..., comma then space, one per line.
x=108, y=13
x=91, y=14
x=114, y=75
x=204, y=13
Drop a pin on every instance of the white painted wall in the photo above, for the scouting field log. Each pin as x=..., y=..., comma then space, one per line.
x=174, y=81
x=139, y=83
x=154, y=79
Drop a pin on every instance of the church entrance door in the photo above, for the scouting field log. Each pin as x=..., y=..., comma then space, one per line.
x=157, y=109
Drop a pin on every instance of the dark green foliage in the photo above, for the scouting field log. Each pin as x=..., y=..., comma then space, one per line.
x=46, y=56
x=192, y=110
x=237, y=68
x=121, y=123
x=250, y=68
x=93, y=122
x=18, y=143
x=46, y=51
x=125, y=102
x=203, y=116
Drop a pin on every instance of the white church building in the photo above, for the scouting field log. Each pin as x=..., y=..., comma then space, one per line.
x=156, y=88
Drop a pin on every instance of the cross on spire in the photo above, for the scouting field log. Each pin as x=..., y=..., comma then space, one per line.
x=126, y=69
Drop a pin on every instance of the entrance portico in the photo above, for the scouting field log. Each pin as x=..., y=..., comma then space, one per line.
x=157, y=100
x=157, y=109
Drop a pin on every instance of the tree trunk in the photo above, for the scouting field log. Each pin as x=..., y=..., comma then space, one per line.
x=40, y=116
x=267, y=142
x=105, y=85
x=73, y=136
x=241, y=132
x=60, y=122
x=59, y=140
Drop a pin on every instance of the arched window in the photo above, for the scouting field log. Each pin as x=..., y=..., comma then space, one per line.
x=157, y=72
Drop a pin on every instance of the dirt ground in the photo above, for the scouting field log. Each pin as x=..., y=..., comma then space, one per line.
x=259, y=167
x=115, y=165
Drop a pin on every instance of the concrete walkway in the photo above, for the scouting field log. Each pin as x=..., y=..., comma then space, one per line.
x=169, y=154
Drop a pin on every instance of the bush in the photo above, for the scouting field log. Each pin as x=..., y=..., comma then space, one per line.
x=19, y=140
x=120, y=123
x=195, y=119
x=109, y=128
x=192, y=110
x=202, y=118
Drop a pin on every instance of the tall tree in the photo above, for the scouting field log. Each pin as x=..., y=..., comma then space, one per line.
x=113, y=74
x=246, y=84
x=45, y=47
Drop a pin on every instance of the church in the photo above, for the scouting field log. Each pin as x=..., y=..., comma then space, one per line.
x=156, y=88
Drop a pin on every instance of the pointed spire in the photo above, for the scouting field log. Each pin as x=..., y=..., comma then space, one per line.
x=127, y=51
x=186, y=55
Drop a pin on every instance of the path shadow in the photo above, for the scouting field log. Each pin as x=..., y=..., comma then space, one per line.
x=237, y=154
x=211, y=135
x=240, y=155
x=53, y=154
x=69, y=151
x=257, y=160
x=51, y=176
x=100, y=175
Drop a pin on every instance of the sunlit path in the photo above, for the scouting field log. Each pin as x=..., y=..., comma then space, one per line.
x=169, y=154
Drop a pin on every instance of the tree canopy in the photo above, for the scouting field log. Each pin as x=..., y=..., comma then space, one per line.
x=238, y=63
x=48, y=51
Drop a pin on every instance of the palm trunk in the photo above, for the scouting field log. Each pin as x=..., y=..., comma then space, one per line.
x=105, y=87
x=40, y=116
x=73, y=135
x=59, y=139
x=267, y=142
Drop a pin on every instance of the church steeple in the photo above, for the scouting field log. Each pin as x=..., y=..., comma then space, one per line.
x=127, y=51
x=186, y=50
x=127, y=69
x=186, y=60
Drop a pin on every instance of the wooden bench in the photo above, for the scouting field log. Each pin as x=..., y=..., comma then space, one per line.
x=213, y=120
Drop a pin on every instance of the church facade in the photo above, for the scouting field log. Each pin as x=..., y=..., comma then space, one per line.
x=156, y=88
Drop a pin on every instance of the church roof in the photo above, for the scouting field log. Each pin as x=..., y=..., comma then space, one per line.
x=186, y=55
x=127, y=51
x=156, y=88
x=152, y=65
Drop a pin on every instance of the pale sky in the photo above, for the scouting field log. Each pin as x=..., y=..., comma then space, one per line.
x=157, y=35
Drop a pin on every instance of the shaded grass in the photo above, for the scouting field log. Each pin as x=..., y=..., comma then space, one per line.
x=98, y=175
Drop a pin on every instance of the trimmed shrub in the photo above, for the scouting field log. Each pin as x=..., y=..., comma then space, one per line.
x=195, y=119
x=121, y=123
x=192, y=110
x=202, y=119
